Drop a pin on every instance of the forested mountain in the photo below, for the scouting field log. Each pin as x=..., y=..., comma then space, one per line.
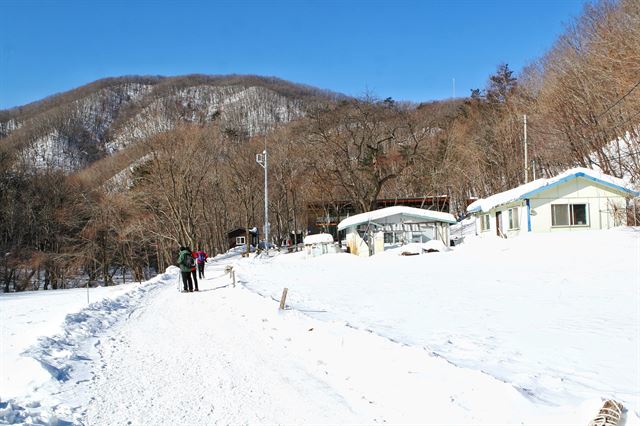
x=117, y=174
x=71, y=130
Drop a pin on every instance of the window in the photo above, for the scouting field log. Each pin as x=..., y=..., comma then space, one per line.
x=569, y=215
x=514, y=220
x=559, y=215
x=485, y=224
x=239, y=240
x=578, y=214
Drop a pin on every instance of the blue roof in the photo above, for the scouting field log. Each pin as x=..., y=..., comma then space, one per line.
x=584, y=175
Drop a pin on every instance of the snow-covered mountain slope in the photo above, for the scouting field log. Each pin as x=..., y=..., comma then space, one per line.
x=71, y=130
x=248, y=110
x=70, y=134
x=464, y=337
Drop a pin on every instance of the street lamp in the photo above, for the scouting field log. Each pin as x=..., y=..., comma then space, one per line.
x=262, y=160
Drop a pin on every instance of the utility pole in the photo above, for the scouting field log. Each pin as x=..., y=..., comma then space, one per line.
x=533, y=166
x=262, y=160
x=526, y=161
x=454, y=88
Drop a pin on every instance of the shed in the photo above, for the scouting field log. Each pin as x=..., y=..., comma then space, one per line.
x=369, y=233
x=238, y=237
x=319, y=244
x=576, y=200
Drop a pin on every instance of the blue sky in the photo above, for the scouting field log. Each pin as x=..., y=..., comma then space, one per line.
x=408, y=50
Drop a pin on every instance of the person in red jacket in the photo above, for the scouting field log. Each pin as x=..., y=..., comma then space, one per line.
x=193, y=272
x=201, y=259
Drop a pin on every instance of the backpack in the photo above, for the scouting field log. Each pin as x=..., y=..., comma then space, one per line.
x=201, y=257
x=187, y=260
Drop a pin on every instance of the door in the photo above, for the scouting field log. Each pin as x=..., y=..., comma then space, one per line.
x=499, y=224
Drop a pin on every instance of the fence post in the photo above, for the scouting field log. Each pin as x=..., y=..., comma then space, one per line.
x=233, y=274
x=283, y=299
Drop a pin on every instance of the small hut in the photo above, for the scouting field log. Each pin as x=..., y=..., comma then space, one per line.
x=319, y=244
x=238, y=237
x=370, y=233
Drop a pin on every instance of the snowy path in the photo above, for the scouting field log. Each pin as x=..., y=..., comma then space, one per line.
x=227, y=355
x=177, y=362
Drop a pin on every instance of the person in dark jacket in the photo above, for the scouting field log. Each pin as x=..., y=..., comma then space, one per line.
x=185, y=262
x=201, y=258
x=194, y=274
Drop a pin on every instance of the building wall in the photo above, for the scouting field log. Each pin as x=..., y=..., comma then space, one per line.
x=600, y=201
x=356, y=244
x=504, y=220
x=443, y=233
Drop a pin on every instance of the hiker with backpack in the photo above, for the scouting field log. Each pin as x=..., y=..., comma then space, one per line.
x=201, y=258
x=185, y=262
x=194, y=274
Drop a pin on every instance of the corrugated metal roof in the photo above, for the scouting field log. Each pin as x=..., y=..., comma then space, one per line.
x=402, y=212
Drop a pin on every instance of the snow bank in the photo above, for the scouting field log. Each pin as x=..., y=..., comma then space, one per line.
x=465, y=228
x=35, y=369
x=318, y=239
x=416, y=248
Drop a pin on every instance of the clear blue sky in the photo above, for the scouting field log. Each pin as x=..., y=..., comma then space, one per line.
x=408, y=50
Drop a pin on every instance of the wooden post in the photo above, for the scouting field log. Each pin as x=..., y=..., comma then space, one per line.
x=233, y=274
x=283, y=299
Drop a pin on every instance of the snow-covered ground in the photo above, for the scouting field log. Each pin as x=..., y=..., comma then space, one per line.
x=556, y=316
x=45, y=337
x=26, y=316
x=536, y=329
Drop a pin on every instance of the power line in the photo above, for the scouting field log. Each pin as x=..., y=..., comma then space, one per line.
x=618, y=101
x=615, y=125
x=536, y=129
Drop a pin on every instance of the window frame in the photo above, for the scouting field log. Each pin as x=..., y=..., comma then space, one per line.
x=571, y=216
x=514, y=213
x=240, y=240
x=484, y=227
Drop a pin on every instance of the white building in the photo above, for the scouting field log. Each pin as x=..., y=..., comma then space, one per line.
x=578, y=199
x=319, y=244
x=368, y=233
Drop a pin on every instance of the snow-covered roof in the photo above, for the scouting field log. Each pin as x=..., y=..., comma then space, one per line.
x=318, y=239
x=396, y=214
x=529, y=189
